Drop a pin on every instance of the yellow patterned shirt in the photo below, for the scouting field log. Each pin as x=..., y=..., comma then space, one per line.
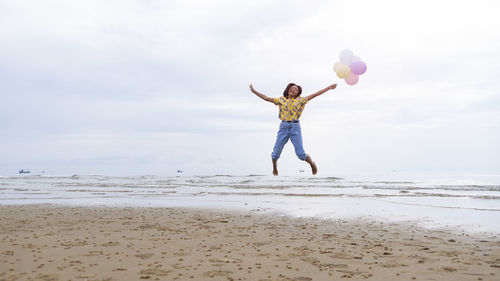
x=290, y=109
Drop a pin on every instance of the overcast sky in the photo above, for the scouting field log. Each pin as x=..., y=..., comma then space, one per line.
x=150, y=87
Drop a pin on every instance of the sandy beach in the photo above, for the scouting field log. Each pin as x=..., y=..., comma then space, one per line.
x=51, y=242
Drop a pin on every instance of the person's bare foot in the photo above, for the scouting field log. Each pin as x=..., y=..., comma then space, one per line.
x=275, y=167
x=314, y=168
x=313, y=165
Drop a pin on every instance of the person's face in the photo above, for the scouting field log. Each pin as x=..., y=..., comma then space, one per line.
x=293, y=92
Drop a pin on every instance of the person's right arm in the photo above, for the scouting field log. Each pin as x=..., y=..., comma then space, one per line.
x=262, y=96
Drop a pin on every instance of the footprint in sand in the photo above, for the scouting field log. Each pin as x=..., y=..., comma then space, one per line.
x=47, y=277
x=215, y=273
x=303, y=279
x=155, y=272
x=111, y=243
x=144, y=256
x=74, y=243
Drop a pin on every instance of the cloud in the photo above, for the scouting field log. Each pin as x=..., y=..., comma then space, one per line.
x=156, y=82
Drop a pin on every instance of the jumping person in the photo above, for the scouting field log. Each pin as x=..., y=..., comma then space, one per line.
x=291, y=106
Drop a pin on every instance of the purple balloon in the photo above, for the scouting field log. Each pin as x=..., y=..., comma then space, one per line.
x=358, y=67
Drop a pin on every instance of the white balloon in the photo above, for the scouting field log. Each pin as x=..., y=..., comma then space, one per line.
x=346, y=57
x=336, y=65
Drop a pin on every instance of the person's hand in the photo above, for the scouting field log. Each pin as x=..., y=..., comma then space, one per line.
x=333, y=86
x=251, y=88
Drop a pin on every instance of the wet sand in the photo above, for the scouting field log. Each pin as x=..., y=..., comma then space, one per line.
x=48, y=242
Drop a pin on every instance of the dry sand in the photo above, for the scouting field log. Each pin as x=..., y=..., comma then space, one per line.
x=44, y=242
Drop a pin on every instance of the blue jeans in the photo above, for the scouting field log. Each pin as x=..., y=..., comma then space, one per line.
x=289, y=130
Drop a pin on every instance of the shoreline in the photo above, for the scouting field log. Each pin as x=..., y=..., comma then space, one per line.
x=470, y=204
x=54, y=242
x=424, y=222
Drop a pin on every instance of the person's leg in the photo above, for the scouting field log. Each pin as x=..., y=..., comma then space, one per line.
x=313, y=165
x=281, y=140
x=275, y=167
x=296, y=138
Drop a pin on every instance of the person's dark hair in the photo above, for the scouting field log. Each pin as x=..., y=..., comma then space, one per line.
x=285, y=93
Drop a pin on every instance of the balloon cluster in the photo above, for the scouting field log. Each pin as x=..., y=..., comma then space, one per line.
x=349, y=67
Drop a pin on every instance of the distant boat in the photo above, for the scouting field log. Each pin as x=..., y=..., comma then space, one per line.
x=301, y=170
x=24, y=171
x=179, y=171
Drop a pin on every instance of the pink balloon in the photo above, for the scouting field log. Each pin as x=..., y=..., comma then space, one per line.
x=352, y=79
x=358, y=67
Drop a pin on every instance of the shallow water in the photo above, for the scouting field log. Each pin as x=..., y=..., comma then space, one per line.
x=468, y=202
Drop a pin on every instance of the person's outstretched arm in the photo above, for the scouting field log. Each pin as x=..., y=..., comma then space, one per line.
x=262, y=96
x=312, y=96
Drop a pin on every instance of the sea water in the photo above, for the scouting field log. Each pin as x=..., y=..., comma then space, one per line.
x=468, y=202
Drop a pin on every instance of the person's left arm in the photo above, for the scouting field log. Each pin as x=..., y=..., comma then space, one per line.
x=312, y=96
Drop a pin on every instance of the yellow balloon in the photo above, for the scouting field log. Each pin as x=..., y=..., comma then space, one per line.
x=343, y=71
